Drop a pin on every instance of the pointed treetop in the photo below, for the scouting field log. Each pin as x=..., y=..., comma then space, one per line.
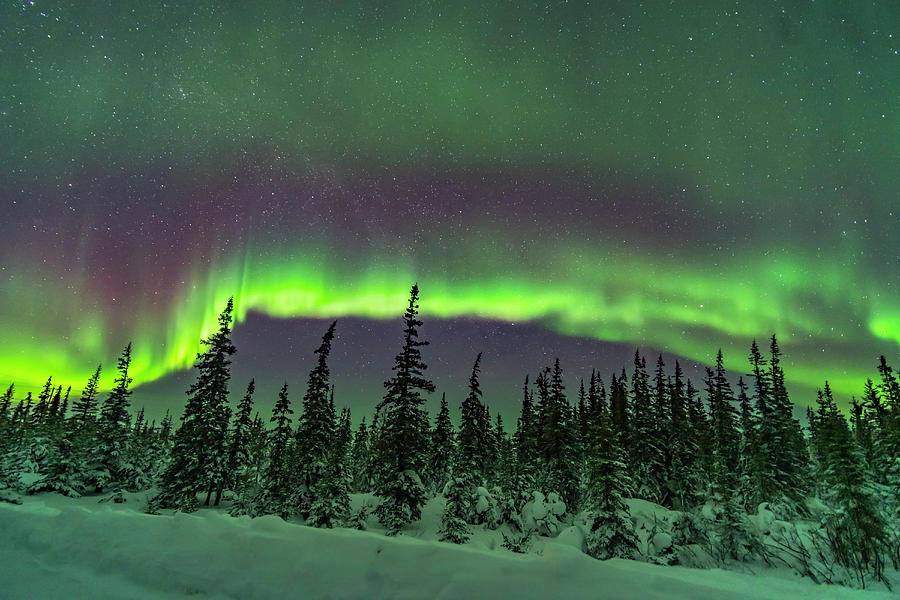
x=325, y=347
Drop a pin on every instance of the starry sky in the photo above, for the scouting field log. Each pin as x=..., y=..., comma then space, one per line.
x=567, y=179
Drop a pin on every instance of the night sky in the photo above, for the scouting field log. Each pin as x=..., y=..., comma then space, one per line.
x=560, y=179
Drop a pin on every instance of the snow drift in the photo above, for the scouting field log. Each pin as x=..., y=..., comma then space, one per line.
x=53, y=548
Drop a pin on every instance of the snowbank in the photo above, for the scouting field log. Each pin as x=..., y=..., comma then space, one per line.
x=53, y=549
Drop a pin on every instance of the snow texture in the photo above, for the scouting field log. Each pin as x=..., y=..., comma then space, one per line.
x=54, y=547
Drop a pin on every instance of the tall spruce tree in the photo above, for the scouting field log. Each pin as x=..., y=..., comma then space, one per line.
x=661, y=455
x=790, y=455
x=701, y=433
x=405, y=429
x=887, y=409
x=619, y=410
x=139, y=470
x=472, y=451
x=5, y=403
x=113, y=430
x=53, y=424
x=751, y=462
x=239, y=443
x=276, y=485
x=42, y=408
x=491, y=450
x=856, y=528
x=443, y=448
x=609, y=534
x=505, y=471
x=316, y=429
x=582, y=422
x=724, y=477
x=762, y=431
x=874, y=420
x=557, y=440
x=525, y=441
x=199, y=456
x=684, y=477
x=360, y=457
x=11, y=460
x=647, y=461
x=85, y=409
x=331, y=504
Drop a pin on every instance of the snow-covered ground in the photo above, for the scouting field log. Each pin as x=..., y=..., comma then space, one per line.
x=55, y=547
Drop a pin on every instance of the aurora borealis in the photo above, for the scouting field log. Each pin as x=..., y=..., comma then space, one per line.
x=680, y=177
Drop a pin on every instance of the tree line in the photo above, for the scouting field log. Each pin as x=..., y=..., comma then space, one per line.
x=714, y=455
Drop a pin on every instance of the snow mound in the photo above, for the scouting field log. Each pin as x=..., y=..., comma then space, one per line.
x=56, y=550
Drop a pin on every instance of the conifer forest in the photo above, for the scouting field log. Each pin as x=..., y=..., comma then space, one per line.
x=741, y=480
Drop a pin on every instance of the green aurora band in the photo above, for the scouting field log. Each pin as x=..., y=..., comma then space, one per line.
x=600, y=294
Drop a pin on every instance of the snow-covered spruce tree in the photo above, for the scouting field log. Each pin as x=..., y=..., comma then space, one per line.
x=701, y=435
x=64, y=470
x=557, y=441
x=7, y=430
x=880, y=424
x=442, y=449
x=360, y=456
x=315, y=432
x=732, y=540
x=46, y=428
x=5, y=403
x=661, y=455
x=491, y=450
x=331, y=506
x=249, y=493
x=239, y=442
x=526, y=449
x=760, y=434
x=791, y=454
x=36, y=442
x=684, y=477
x=750, y=464
x=160, y=447
x=84, y=410
x=580, y=422
x=377, y=469
x=13, y=445
x=344, y=434
x=63, y=412
x=609, y=532
x=458, y=493
x=81, y=432
x=274, y=497
x=42, y=407
x=199, y=460
x=404, y=434
x=856, y=528
x=139, y=470
x=619, y=410
x=217, y=413
x=505, y=471
x=863, y=429
x=24, y=416
x=471, y=450
x=888, y=438
x=51, y=426
x=113, y=428
x=646, y=459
